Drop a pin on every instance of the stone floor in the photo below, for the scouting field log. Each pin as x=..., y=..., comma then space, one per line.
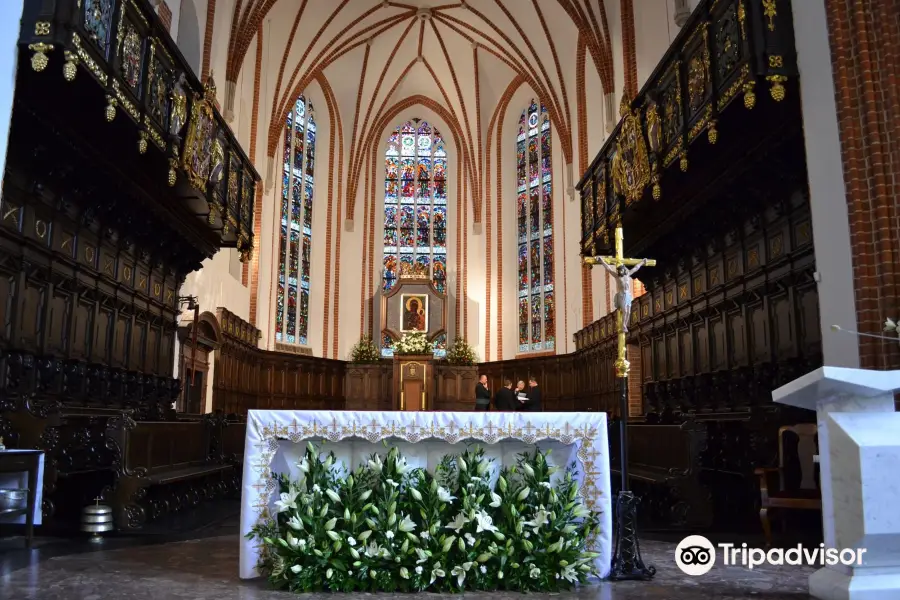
x=207, y=569
x=196, y=557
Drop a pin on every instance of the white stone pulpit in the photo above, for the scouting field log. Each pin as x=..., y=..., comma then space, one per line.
x=859, y=459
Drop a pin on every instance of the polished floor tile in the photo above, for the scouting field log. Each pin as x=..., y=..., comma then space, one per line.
x=207, y=569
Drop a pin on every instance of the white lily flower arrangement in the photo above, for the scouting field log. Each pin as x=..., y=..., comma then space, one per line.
x=413, y=343
x=388, y=527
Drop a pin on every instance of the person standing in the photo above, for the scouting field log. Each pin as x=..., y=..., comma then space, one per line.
x=521, y=403
x=534, y=396
x=506, y=398
x=482, y=394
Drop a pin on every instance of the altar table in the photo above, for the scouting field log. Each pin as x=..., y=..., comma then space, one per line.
x=276, y=440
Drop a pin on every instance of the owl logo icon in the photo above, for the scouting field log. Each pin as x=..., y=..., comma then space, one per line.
x=695, y=555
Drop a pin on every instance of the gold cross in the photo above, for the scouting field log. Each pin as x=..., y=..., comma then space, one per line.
x=619, y=260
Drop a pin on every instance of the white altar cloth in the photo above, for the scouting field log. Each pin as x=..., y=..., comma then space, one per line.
x=276, y=440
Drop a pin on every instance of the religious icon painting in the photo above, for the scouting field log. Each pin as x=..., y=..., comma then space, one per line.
x=414, y=312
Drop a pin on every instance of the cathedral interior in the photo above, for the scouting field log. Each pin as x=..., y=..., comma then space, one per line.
x=211, y=207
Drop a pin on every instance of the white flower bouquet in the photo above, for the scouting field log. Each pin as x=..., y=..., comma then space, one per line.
x=389, y=528
x=413, y=343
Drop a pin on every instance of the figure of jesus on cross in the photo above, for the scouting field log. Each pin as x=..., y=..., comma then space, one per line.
x=618, y=267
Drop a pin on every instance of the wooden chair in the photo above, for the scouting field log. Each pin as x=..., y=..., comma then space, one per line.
x=794, y=484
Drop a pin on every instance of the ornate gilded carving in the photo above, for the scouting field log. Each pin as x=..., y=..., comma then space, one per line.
x=179, y=106
x=654, y=128
x=39, y=60
x=218, y=162
x=777, y=90
x=198, y=144
x=631, y=166
x=770, y=12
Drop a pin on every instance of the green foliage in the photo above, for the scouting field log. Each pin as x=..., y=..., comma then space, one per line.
x=387, y=527
x=365, y=351
x=461, y=353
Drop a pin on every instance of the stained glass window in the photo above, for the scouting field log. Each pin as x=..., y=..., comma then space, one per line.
x=415, y=205
x=534, y=230
x=295, y=239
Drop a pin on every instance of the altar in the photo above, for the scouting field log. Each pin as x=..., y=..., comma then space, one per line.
x=277, y=439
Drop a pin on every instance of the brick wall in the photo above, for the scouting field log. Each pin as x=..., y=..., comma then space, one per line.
x=165, y=15
x=865, y=52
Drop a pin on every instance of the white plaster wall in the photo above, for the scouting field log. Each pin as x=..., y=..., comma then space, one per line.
x=654, y=30
x=191, y=24
x=828, y=204
x=614, y=15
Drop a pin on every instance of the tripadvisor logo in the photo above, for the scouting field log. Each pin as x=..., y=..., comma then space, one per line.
x=695, y=555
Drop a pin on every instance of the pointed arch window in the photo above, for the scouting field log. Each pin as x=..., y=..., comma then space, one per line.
x=295, y=236
x=415, y=204
x=534, y=212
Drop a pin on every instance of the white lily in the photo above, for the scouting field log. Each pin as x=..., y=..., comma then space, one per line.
x=444, y=495
x=329, y=573
x=288, y=501
x=392, y=483
x=540, y=519
x=372, y=550
x=436, y=571
x=460, y=572
x=365, y=535
x=484, y=521
x=422, y=556
x=296, y=569
x=404, y=573
x=581, y=511
x=890, y=325
x=303, y=465
x=528, y=470
x=295, y=523
x=462, y=464
x=569, y=574
x=376, y=464
x=482, y=467
x=365, y=495
x=416, y=494
x=402, y=466
x=534, y=573
x=333, y=495
x=458, y=522
x=406, y=525
x=330, y=523
x=523, y=494
x=496, y=501
x=351, y=541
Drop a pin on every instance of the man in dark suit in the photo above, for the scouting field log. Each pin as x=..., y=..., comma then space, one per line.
x=482, y=394
x=534, y=396
x=506, y=398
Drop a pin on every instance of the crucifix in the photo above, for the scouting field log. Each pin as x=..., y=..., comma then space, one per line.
x=627, y=562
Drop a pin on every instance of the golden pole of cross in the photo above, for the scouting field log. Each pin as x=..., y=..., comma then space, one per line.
x=619, y=260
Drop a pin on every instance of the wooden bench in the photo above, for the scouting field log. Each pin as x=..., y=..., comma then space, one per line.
x=163, y=466
x=664, y=470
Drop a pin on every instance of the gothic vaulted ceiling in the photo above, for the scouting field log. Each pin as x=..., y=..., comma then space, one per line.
x=461, y=59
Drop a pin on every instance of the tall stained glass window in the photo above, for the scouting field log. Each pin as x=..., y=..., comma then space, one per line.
x=415, y=204
x=534, y=211
x=295, y=239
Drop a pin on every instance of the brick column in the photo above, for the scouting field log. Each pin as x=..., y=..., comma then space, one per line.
x=864, y=39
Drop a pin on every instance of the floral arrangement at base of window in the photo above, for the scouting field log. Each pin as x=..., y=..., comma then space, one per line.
x=461, y=353
x=365, y=351
x=387, y=527
x=413, y=343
